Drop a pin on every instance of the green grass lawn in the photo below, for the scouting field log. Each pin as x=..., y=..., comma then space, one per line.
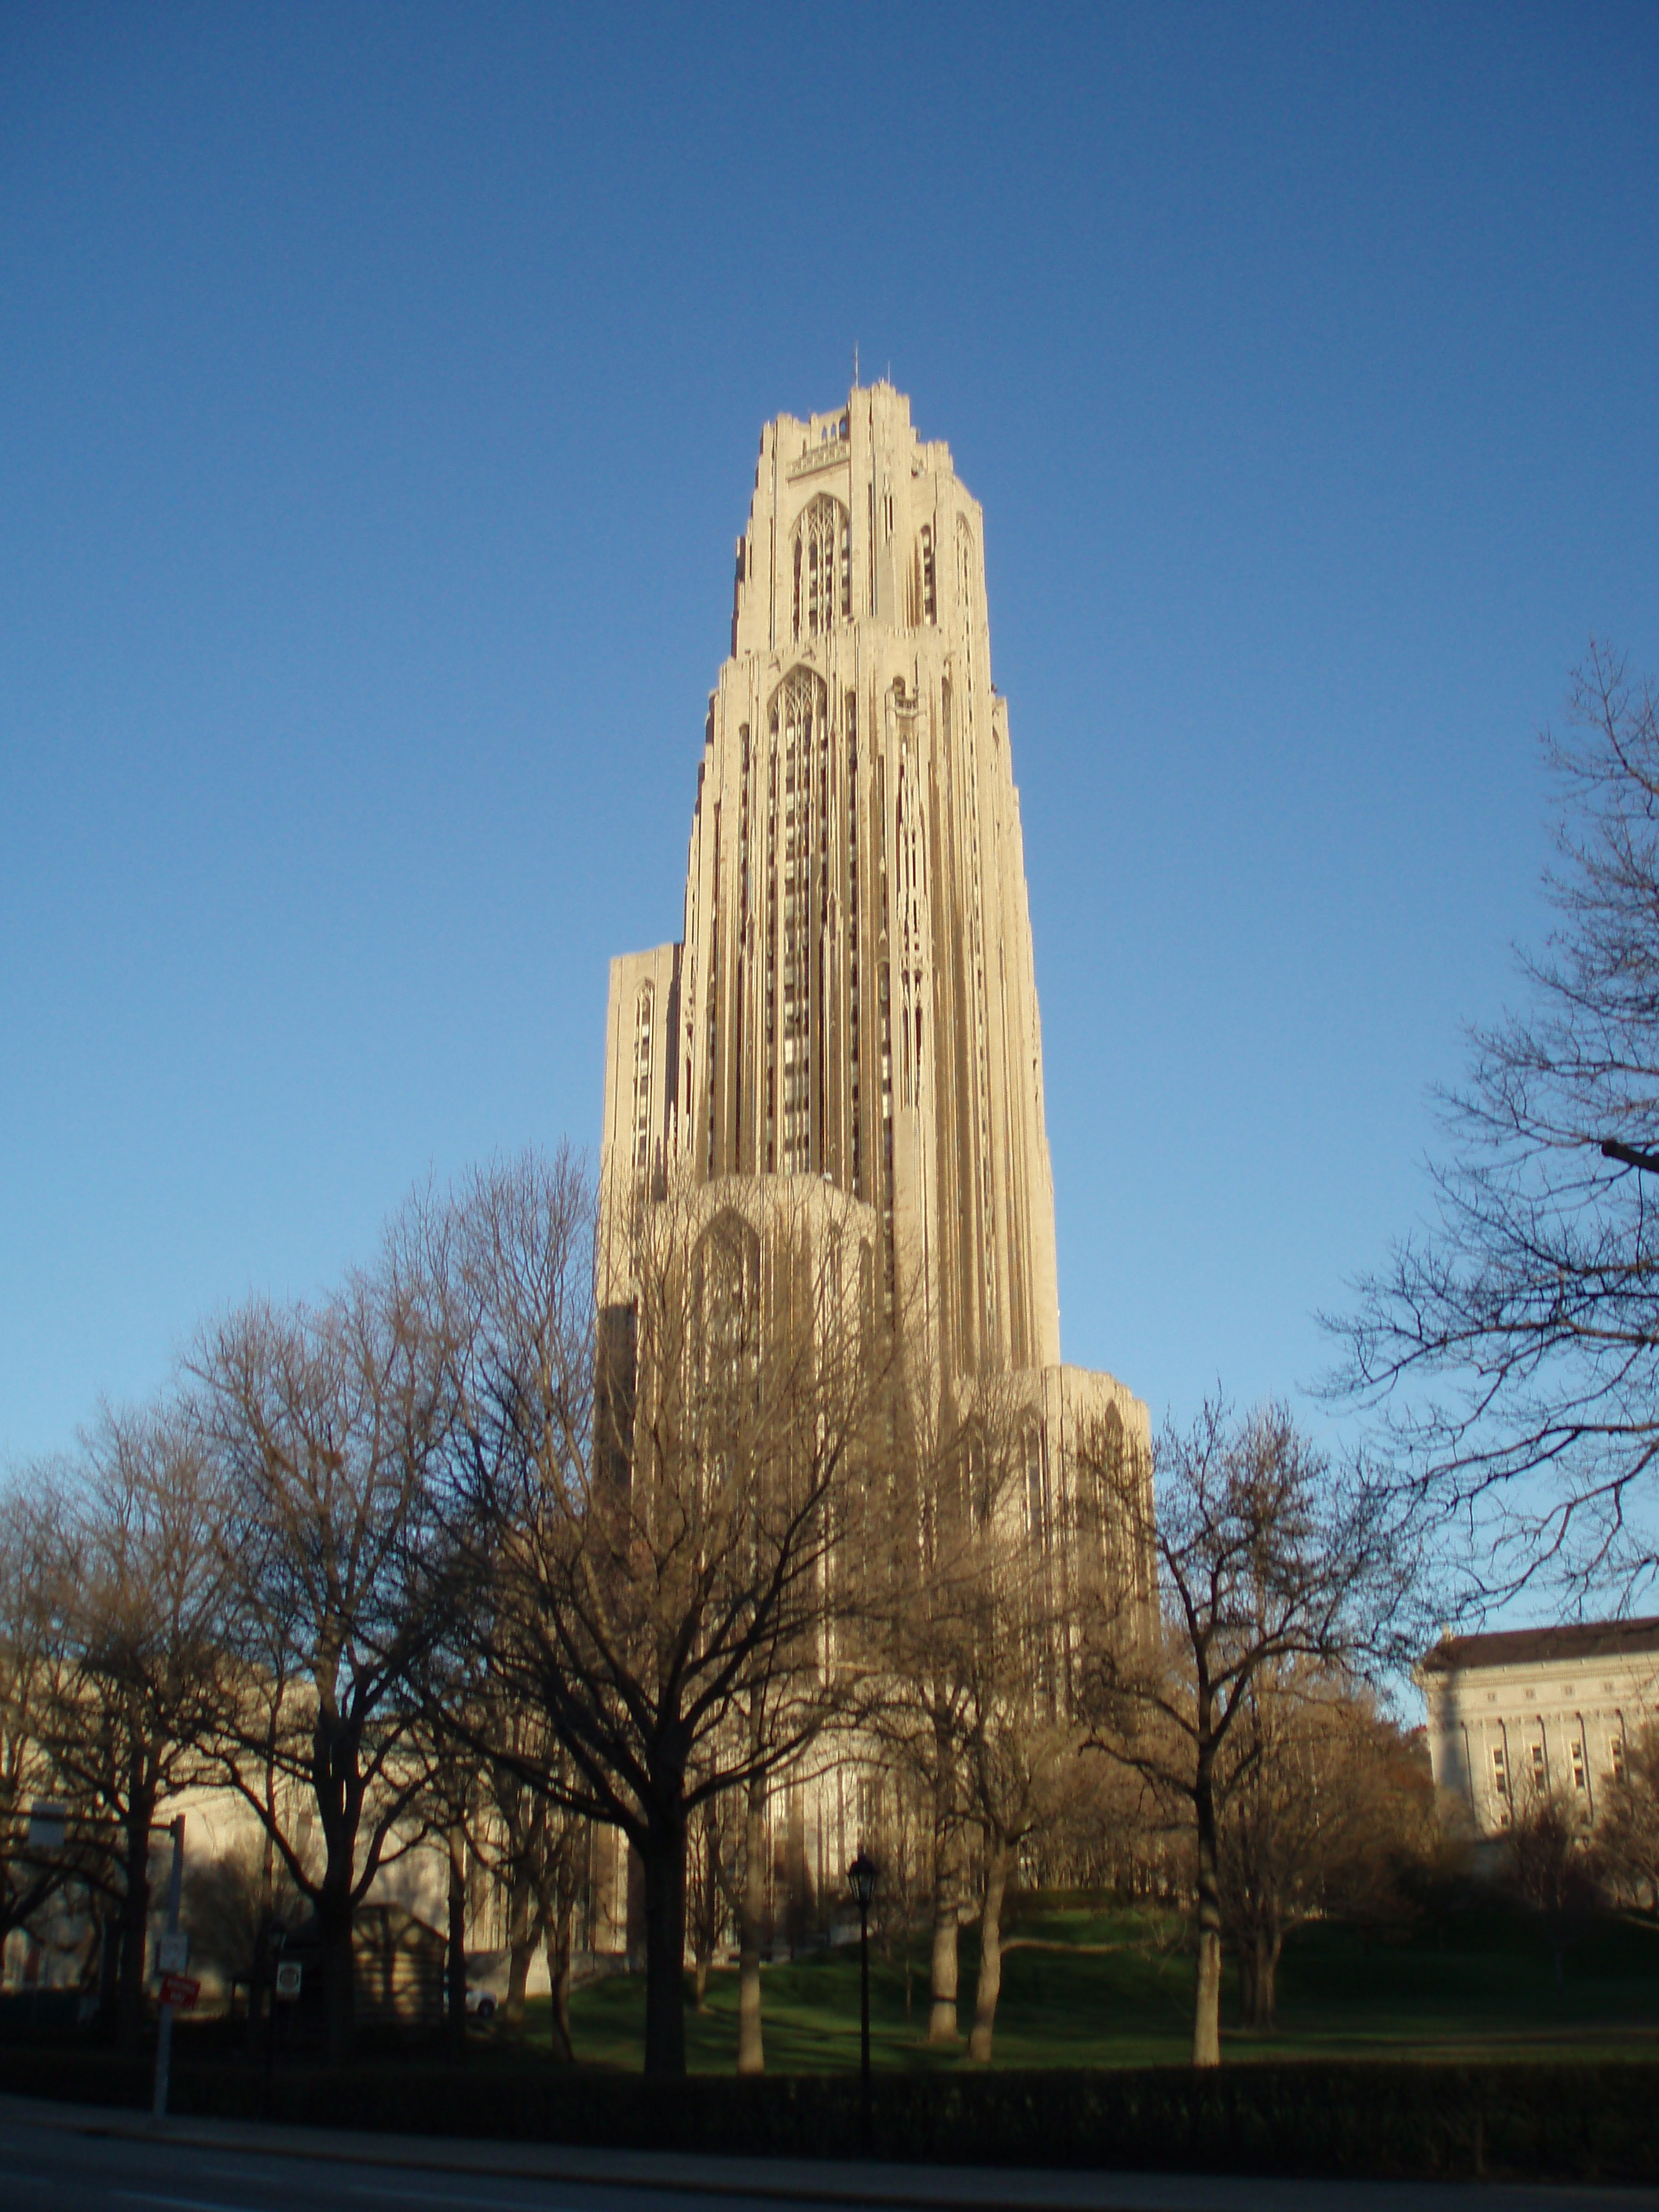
x=1089, y=1986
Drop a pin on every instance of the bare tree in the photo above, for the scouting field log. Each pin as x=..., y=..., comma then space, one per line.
x=949, y=1477
x=1512, y=1351
x=138, y=1681
x=230, y=1898
x=715, y=1888
x=1629, y=1833
x=327, y=1421
x=901, y=1844
x=751, y=1919
x=1024, y=1768
x=528, y=1837
x=1326, y=1816
x=1553, y=1865
x=658, y=1579
x=976, y=1654
x=32, y=1593
x=1265, y=1557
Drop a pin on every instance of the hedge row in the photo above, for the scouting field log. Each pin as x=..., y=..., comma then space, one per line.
x=1583, y=2121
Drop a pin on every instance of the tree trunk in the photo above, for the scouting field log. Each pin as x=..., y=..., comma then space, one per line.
x=1259, y=1947
x=751, y=2048
x=664, y=1865
x=703, y=1947
x=1206, y=2009
x=942, y=2019
x=134, y=1909
x=337, y=1786
x=339, y=1992
x=455, y=1962
x=1246, y=1948
x=558, y=1939
x=520, y=1949
x=1269, y=1944
x=990, y=1950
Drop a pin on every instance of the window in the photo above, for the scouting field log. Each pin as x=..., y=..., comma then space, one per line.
x=1540, y=1772
x=1616, y=1756
x=800, y=727
x=1578, y=1780
x=823, y=567
x=1037, y=1489
x=726, y=1303
x=643, y=1013
x=1500, y=1772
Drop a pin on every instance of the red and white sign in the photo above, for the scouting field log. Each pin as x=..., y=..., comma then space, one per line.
x=180, y=1991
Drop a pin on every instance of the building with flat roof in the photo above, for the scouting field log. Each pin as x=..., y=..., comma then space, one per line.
x=1519, y=1715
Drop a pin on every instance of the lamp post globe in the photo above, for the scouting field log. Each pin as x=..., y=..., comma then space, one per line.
x=861, y=1878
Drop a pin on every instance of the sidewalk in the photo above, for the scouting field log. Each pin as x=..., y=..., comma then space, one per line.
x=801, y=2181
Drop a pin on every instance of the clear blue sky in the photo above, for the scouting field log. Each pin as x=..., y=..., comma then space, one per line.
x=379, y=396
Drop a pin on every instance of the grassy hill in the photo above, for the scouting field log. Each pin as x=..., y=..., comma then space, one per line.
x=1088, y=1984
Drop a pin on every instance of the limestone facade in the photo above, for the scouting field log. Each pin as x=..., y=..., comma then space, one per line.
x=853, y=1000
x=1519, y=1715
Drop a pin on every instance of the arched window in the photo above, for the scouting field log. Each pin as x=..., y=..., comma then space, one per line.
x=725, y=1274
x=823, y=566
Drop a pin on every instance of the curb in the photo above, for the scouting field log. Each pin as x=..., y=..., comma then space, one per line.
x=889, y=2187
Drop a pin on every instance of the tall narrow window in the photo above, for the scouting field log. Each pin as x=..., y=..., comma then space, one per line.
x=642, y=1013
x=799, y=733
x=823, y=567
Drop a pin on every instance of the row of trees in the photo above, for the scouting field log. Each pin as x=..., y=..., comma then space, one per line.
x=450, y=1540
x=451, y=1553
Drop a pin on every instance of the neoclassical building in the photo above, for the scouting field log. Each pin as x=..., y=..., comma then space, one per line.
x=852, y=1004
x=1518, y=1716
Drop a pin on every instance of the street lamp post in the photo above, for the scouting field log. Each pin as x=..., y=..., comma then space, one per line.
x=861, y=1879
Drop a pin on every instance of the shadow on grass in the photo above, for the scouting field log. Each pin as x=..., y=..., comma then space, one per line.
x=1089, y=1985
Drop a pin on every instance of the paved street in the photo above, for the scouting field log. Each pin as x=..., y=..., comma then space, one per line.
x=59, y=2158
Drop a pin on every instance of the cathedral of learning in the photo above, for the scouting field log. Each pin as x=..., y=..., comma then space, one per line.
x=853, y=1000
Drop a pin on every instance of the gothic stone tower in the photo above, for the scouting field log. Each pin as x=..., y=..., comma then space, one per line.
x=854, y=999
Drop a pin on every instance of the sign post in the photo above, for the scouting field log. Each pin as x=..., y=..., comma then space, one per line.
x=171, y=1963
